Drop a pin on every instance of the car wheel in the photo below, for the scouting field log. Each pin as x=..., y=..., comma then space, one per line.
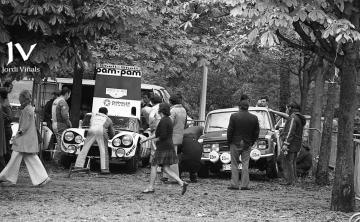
x=272, y=168
x=132, y=164
x=203, y=171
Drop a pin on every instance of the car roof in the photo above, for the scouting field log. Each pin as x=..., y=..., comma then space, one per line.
x=235, y=109
x=92, y=82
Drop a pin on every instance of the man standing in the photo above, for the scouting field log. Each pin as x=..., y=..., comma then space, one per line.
x=242, y=132
x=60, y=119
x=48, y=109
x=178, y=117
x=292, y=140
x=263, y=102
x=101, y=130
x=7, y=117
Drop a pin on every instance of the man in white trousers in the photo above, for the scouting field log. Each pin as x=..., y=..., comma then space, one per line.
x=101, y=129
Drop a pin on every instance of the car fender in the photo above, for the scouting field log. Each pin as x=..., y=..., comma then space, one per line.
x=65, y=145
x=129, y=151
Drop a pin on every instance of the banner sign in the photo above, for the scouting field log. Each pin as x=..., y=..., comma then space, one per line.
x=118, y=88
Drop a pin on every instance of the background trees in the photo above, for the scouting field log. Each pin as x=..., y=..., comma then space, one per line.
x=330, y=29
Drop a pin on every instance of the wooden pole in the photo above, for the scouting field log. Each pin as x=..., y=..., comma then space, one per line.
x=204, y=64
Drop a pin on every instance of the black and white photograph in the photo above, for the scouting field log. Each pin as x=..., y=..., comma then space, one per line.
x=180, y=110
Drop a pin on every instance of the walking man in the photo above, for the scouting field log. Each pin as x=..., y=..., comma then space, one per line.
x=292, y=140
x=60, y=119
x=242, y=132
x=101, y=129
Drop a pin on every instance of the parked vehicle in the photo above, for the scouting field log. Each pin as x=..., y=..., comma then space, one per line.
x=264, y=153
x=123, y=148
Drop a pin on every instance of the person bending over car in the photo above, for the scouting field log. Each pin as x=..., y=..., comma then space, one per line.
x=190, y=152
x=101, y=129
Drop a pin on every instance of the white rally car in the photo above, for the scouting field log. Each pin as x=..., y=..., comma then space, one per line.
x=123, y=148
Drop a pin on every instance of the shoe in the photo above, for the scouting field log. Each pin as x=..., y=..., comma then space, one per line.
x=46, y=181
x=78, y=169
x=147, y=190
x=184, y=188
x=245, y=188
x=233, y=188
x=105, y=172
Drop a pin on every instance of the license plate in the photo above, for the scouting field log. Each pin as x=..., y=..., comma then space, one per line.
x=227, y=167
x=205, y=155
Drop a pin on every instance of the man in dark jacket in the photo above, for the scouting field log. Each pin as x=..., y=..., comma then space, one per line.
x=292, y=140
x=48, y=110
x=242, y=132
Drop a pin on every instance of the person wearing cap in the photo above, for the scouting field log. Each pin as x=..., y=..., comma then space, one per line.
x=242, y=132
x=292, y=140
x=101, y=130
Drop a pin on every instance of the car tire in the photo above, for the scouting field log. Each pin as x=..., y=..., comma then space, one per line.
x=132, y=164
x=203, y=171
x=272, y=168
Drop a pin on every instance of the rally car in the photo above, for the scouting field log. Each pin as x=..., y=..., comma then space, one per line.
x=216, y=151
x=123, y=148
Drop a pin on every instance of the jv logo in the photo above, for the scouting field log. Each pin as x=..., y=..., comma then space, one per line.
x=21, y=51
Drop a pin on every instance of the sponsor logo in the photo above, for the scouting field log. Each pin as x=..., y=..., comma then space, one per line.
x=116, y=93
x=107, y=102
x=119, y=72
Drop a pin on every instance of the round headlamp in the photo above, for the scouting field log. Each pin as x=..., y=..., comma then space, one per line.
x=200, y=140
x=71, y=149
x=225, y=158
x=78, y=139
x=69, y=136
x=116, y=142
x=120, y=152
x=127, y=140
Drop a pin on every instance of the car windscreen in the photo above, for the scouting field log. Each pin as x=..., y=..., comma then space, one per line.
x=119, y=123
x=220, y=121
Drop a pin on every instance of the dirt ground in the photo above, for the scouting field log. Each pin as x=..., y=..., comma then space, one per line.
x=118, y=197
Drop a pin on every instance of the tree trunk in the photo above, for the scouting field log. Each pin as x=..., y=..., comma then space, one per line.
x=322, y=173
x=343, y=197
x=76, y=95
x=284, y=89
x=315, y=122
x=304, y=90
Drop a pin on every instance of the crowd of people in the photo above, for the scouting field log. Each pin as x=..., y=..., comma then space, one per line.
x=174, y=149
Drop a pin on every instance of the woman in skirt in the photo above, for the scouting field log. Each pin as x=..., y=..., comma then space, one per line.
x=165, y=153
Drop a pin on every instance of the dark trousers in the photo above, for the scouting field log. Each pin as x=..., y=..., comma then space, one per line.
x=236, y=151
x=290, y=167
x=184, y=168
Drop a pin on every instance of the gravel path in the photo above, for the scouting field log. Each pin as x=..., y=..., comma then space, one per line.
x=118, y=197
